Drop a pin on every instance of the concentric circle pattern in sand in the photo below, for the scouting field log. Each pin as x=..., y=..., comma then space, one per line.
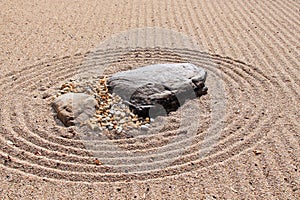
x=33, y=143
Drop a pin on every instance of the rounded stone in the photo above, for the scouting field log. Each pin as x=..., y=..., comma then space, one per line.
x=144, y=128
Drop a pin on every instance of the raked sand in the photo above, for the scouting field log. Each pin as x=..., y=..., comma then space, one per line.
x=244, y=138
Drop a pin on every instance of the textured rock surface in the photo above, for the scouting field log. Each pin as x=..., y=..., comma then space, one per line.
x=73, y=108
x=148, y=89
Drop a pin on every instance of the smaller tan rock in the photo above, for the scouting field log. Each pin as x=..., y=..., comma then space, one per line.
x=74, y=108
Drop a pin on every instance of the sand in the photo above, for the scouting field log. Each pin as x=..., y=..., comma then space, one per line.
x=244, y=139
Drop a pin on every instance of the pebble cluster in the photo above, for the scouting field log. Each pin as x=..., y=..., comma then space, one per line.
x=68, y=87
x=112, y=113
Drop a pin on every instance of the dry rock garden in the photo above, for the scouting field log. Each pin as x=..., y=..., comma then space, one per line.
x=128, y=100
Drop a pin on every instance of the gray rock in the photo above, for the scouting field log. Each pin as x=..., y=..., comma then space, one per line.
x=149, y=89
x=74, y=108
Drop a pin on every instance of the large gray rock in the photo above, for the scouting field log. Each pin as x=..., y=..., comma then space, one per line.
x=148, y=89
x=74, y=108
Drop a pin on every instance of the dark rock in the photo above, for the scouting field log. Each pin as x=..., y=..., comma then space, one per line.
x=160, y=88
x=74, y=108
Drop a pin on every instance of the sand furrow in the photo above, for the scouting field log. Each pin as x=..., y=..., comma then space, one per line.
x=272, y=52
x=284, y=41
x=284, y=162
x=274, y=176
x=288, y=10
x=203, y=32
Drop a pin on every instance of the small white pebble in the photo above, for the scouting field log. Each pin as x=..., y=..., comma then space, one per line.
x=112, y=112
x=119, y=129
x=110, y=127
x=123, y=114
x=144, y=128
x=118, y=113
